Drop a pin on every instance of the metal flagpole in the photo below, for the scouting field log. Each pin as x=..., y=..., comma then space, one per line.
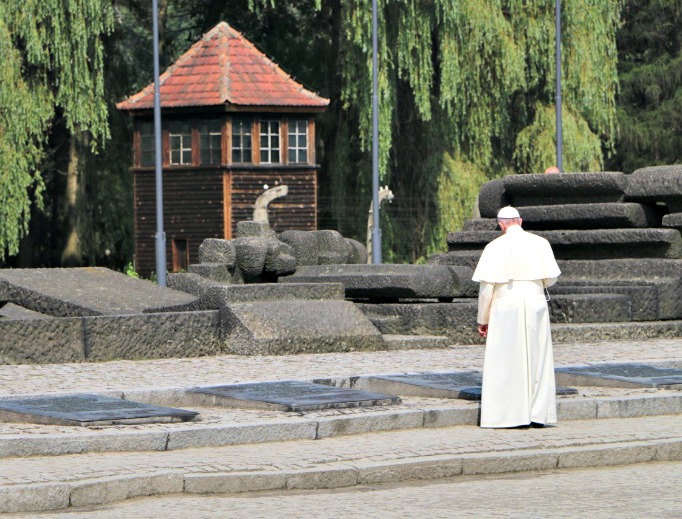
x=160, y=234
x=376, y=231
x=559, y=133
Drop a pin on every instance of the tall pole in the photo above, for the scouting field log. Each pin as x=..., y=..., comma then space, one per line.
x=376, y=231
x=160, y=234
x=559, y=133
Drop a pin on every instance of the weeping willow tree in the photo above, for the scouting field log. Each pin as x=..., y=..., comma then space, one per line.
x=466, y=89
x=51, y=70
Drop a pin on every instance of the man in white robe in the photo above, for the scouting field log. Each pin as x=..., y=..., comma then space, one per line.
x=518, y=370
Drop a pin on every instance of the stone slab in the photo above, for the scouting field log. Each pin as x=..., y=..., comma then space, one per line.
x=214, y=294
x=88, y=291
x=480, y=224
x=296, y=326
x=290, y=395
x=657, y=183
x=456, y=320
x=590, y=308
x=41, y=341
x=370, y=281
x=622, y=375
x=474, y=393
x=643, y=298
x=672, y=220
x=12, y=311
x=465, y=385
x=431, y=385
x=591, y=216
x=492, y=197
x=572, y=188
x=589, y=243
x=86, y=409
x=148, y=336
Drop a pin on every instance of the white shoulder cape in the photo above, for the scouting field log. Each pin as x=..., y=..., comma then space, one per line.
x=517, y=255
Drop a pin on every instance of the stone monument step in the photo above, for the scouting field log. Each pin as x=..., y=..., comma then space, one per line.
x=388, y=281
x=657, y=183
x=643, y=299
x=296, y=326
x=214, y=294
x=538, y=189
x=590, y=308
x=37, y=484
x=622, y=215
x=88, y=291
x=589, y=244
x=415, y=342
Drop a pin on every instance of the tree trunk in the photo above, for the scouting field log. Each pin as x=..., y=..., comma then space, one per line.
x=72, y=254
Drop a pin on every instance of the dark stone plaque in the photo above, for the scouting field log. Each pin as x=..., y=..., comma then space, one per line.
x=474, y=393
x=434, y=385
x=621, y=375
x=464, y=385
x=290, y=395
x=87, y=410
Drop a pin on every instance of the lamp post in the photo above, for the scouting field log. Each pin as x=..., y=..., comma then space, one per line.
x=160, y=234
x=559, y=133
x=376, y=231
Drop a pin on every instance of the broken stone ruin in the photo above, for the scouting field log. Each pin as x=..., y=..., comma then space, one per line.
x=616, y=237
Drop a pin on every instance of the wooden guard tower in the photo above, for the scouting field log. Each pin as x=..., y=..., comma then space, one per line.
x=233, y=124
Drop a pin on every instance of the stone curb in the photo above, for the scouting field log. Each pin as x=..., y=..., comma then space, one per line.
x=316, y=428
x=56, y=496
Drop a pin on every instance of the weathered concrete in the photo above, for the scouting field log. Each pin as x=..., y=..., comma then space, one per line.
x=214, y=250
x=390, y=281
x=304, y=244
x=589, y=243
x=542, y=189
x=590, y=308
x=146, y=336
x=41, y=341
x=281, y=327
x=492, y=197
x=591, y=216
x=453, y=320
x=84, y=291
x=657, y=183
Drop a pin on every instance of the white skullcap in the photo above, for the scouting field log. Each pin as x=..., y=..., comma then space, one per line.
x=508, y=212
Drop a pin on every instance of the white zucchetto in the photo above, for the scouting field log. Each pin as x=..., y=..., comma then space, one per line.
x=508, y=212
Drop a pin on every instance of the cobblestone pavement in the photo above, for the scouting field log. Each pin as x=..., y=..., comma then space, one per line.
x=628, y=492
x=340, y=452
x=226, y=369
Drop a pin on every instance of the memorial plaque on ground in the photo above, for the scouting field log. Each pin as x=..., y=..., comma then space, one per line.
x=434, y=385
x=621, y=375
x=288, y=395
x=87, y=410
x=464, y=385
x=474, y=393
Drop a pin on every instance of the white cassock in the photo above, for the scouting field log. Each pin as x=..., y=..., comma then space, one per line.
x=518, y=369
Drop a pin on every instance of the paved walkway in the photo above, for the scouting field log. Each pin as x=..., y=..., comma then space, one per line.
x=628, y=492
x=412, y=453
x=128, y=375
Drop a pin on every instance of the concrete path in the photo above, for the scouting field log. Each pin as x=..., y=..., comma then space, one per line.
x=627, y=492
x=420, y=439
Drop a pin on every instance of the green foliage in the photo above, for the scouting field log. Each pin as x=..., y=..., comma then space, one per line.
x=650, y=100
x=52, y=67
x=475, y=79
x=536, y=144
x=458, y=186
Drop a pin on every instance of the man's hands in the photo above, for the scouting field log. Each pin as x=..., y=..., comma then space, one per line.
x=483, y=330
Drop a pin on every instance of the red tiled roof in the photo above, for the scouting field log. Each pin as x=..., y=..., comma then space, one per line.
x=224, y=67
